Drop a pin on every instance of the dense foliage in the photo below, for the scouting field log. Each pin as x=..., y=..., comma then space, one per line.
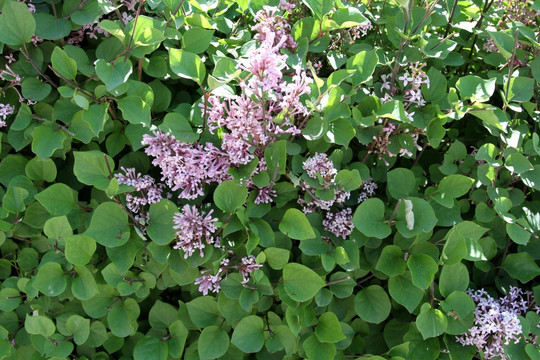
x=324, y=179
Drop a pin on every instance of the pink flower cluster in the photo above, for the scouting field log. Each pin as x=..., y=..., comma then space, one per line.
x=194, y=229
x=149, y=192
x=340, y=223
x=269, y=23
x=250, y=120
x=496, y=322
x=186, y=166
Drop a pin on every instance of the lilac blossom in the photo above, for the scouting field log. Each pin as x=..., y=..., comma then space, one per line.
x=496, y=322
x=367, y=190
x=320, y=164
x=340, y=223
x=186, y=165
x=5, y=111
x=246, y=267
x=247, y=121
x=149, y=192
x=361, y=30
x=287, y=5
x=208, y=283
x=269, y=23
x=195, y=228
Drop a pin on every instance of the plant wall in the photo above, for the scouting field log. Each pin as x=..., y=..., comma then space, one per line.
x=324, y=179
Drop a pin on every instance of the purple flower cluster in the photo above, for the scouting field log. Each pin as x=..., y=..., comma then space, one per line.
x=149, y=192
x=186, y=165
x=367, y=190
x=246, y=267
x=194, y=228
x=209, y=282
x=496, y=322
x=5, y=111
x=340, y=223
x=320, y=166
x=361, y=30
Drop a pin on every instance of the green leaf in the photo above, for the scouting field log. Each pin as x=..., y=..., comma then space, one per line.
x=39, y=325
x=393, y=109
x=319, y=8
x=328, y=329
x=340, y=131
x=453, y=278
x=150, y=348
x=475, y=88
x=187, y=65
x=178, y=126
x=316, y=350
x=17, y=25
x=300, y=282
x=37, y=169
x=109, y=225
x=455, y=185
x=521, y=89
x=203, y=311
x=349, y=17
x=91, y=168
x=61, y=62
x=276, y=157
x=391, y=261
x=213, y=343
x=79, y=327
x=348, y=180
x=229, y=196
x=49, y=27
x=121, y=318
x=404, y=292
x=517, y=233
x=401, y=182
x=46, y=140
x=517, y=163
x=160, y=224
x=296, y=225
x=503, y=41
x=531, y=178
x=248, y=335
x=178, y=338
x=431, y=322
x=424, y=218
x=196, y=40
x=79, y=249
x=372, y=304
x=135, y=110
x=57, y=199
x=364, y=63
x=84, y=285
x=277, y=258
x=10, y=299
x=115, y=75
x=423, y=269
x=50, y=279
x=162, y=315
x=13, y=200
x=368, y=218
x=521, y=266
x=461, y=239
